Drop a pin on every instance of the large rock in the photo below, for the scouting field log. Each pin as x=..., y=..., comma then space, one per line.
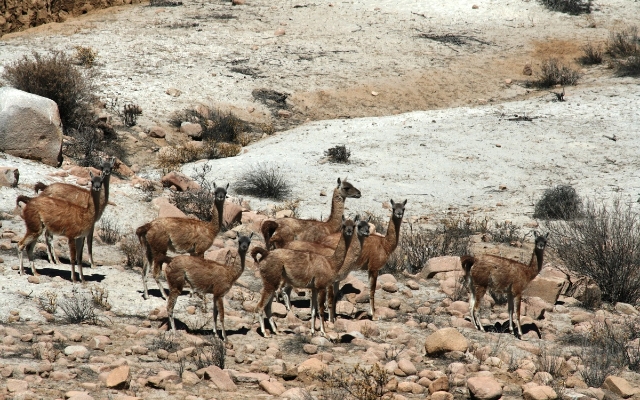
x=231, y=214
x=441, y=264
x=9, y=176
x=118, y=378
x=219, y=378
x=547, y=288
x=180, y=181
x=30, y=126
x=619, y=386
x=539, y=393
x=484, y=388
x=445, y=340
x=166, y=209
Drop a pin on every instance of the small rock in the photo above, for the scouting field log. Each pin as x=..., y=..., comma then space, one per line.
x=118, y=377
x=16, y=385
x=626, y=309
x=619, y=386
x=445, y=340
x=539, y=393
x=156, y=132
x=33, y=279
x=173, y=92
x=310, y=348
x=475, y=6
x=272, y=386
x=279, y=32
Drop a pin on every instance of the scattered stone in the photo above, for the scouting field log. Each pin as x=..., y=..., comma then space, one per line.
x=445, y=340
x=157, y=132
x=439, y=385
x=33, y=279
x=413, y=285
x=619, y=386
x=219, y=378
x=279, y=32
x=484, y=388
x=118, y=378
x=441, y=396
x=310, y=348
x=390, y=287
x=407, y=367
x=9, y=176
x=272, y=386
x=76, y=349
x=173, y=92
x=539, y=393
x=296, y=394
x=16, y=385
x=626, y=309
x=441, y=264
x=311, y=366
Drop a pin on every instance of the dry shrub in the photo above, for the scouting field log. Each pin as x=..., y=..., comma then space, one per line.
x=624, y=43
x=197, y=202
x=85, y=56
x=291, y=205
x=573, y=7
x=592, y=54
x=629, y=67
x=109, y=230
x=217, y=126
x=418, y=244
x=171, y=158
x=224, y=150
x=48, y=302
x=211, y=352
x=56, y=77
x=604, y=245
x=100, y=297
x=79, y=308
x=560, y=202
x=338, y=154
x=130, y=114
x=264, y=181
x=130, y=246
x=553, y=72
x=358, y=383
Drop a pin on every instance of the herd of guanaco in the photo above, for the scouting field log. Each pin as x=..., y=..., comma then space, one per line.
x=298, y=253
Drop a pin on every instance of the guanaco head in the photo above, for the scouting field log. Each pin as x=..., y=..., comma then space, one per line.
x=96, y=181
x=398, y=209
x=107, y=166
x=348, y=226
x=347, y=190
x=220, y=193
x=243, y=243
x=362, y=227
x=540, y=241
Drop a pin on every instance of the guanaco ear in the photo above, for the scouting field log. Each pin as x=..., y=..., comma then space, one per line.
x=343, y=218
x=535, y=234
x=227, y=188
x=250, y=236
x=357, y=218
x=91, y=174
x=214, y=185
x=404, y=203
x=113, y=161
x=339, y=182
x=547, y=235
x=392, y=203
x=369, y=219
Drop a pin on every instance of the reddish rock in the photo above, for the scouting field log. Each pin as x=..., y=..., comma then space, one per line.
x=445, y=340
x=192, y=130
x=441, y=264
x=619, y=386
x=180, y=181
x=272, y=386
x=118, y=378
x=311, y=366
x=157, y=132
x=231, y=214
x=547, y=288
x=219, y=378
x=16, y=385
x=439, y=385
x=166, y=209
x=539, y=393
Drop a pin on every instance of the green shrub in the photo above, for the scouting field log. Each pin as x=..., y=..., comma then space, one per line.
x=560, y=202
x=56, y=77
x=573, y=7
x=264, y=181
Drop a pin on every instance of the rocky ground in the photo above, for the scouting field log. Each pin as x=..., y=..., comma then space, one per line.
x=468, y=156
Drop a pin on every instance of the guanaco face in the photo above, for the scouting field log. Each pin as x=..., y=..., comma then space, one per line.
x=220, y=193
x=398, y=209
x=347, y=189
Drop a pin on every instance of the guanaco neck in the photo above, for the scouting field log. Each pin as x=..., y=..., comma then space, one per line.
x=216, y=214
x=353, y=254
x=105, y=199
x=239, y=266
x=536, y=257
x=341, y=252
x=393, y=234
x=337, y=210
x=94, y=203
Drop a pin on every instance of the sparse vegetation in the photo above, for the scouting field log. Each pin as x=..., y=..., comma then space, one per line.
x=212, y=352
x=624, y=43
x=217, y=126
x=56, y=77
x=291, y=205
x=100, y=297
x=264, y=181
x=604, y=245
x=79, y=308
x=573, y=7
x=553, y=72
x=109, y=230
x=592, y=54
x=130, y=114
x=131, y=248
x=359, y=383
x=197, y=202
x=48, y=302
x=165, y=341
x=505, y=232
x=85, y=56
x=560, y=202
x=418, y=244
x=630, y=66
x=338, y=154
